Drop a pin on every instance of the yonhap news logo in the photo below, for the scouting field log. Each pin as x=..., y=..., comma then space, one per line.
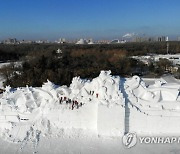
x=129, y=140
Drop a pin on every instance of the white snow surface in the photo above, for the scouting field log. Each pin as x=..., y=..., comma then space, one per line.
x=88, y=110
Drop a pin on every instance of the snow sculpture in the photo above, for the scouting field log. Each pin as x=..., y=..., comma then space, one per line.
x=90, y=105
x=139, y=89
x=156, y=93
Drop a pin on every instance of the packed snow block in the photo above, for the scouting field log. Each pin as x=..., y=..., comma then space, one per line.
x=84, y=117
x=156, y=123
x=169, y=125
x=138, y=121
x=110, y=121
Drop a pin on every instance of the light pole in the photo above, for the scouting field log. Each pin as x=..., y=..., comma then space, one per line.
x=167, y=48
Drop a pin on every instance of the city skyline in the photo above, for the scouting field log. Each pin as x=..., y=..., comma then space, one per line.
x=88, y=19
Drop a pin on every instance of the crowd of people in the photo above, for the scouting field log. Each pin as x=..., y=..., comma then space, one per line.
x=74, y=103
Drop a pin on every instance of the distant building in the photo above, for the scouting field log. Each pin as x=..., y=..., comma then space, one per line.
x=150, y=39
x=42, y=41
x=140, y=39
x=123, y=41
x=167, y=38
x=85, y=41
x=162, y=39
x=82, y=41
x=90, y=41
x=103, y=42
x=178, y=38
x=61, y=40
x=11, y=41
x=26, y=42
x=117, y=41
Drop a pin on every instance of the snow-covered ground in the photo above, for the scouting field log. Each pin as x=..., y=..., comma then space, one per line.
x=89, y=116
x=174, y=58
x=1, y=76
x=86, y=146
x=4, y=64
x=1, y=81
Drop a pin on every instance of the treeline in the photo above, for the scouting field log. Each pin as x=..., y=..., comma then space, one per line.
x=42, y=61
x=16, y=52
x=60, y=68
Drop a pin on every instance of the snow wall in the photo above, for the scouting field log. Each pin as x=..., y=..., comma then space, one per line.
x=154, y=109
x=108, y=106
x=95, y=106
x=142, y=123
x=92, y=117
x=110, y=120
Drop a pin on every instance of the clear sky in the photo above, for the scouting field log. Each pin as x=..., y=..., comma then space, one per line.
x=52, y=19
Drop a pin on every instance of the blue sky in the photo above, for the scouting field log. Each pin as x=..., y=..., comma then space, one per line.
x=99, y=19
